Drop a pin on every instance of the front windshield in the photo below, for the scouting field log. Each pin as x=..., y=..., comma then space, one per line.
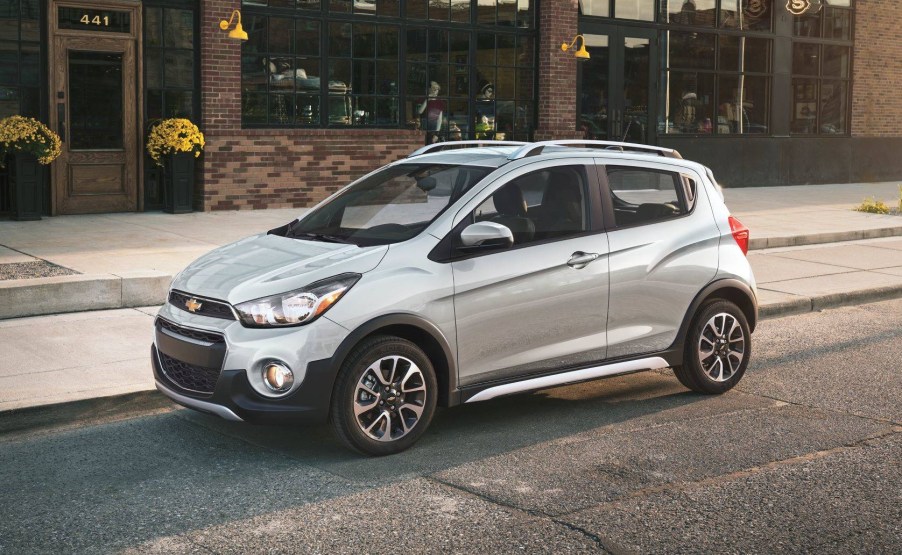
x=390, y=206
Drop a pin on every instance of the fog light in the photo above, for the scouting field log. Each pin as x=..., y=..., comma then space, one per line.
x=277, y=377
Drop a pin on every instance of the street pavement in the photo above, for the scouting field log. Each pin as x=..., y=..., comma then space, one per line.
x=803, y=456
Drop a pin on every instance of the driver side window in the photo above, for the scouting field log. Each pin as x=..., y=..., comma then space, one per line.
x=542, y=205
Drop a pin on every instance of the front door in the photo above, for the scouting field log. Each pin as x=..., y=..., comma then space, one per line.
x=94, y=109
x=617, y=84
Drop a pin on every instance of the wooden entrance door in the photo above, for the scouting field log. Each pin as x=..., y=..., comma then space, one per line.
x=95, y=109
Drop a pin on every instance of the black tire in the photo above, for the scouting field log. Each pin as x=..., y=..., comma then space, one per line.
x=397, y=408
x=701, y=374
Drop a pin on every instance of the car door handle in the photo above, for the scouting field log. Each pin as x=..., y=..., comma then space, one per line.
x=580, y=259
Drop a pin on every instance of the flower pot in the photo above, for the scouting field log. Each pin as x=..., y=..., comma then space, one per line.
x=178, y=183
x=26, y=185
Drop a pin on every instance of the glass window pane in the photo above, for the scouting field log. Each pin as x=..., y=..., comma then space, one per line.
x=438, y=46
x=834, y=107
x=460, y=11
x=417, y=79
x=416, y=9
x=178, y=69
x=95, y=100
x=255, y=26
x=416, y=45
x=309, y=5
x=507, y=52
x=438, y=73
x=154, y=100
x=460, y=47
x=281, y=108
x=485, y=11
x=687, y=12
x=836, y=61
x=387, y=74
x=30, y=24
x=485, y=49
x=386, y=112
x=153, y=68
x=744, y=54
x=364, y=41
x=593, y=100
x=179, y=104
x=365, y=7
x=506, y=84
x=460, y=81
x=340, y=71
x=364, y=77
x=253, y=108
x=307, y=37
x=388, y=8
x=9, y=102
x=525, y=14
x=743, y=105
x=755, y=15
x=9, y=63
x=458, y=120
x=507, y=12
x=307, y=109
x=690, y=50
x=525, y=51
x=387, y=42
x=30, y=73
x=339, y=6
x=525, y=83
x=688, y=102
x=808, y=25
x=340, y=39
x=805, y=58
x=439, y=10
x=598, y=8
x=340, y=104
x=307, y=75
x=179, y=26
x=837, y=24
x=642, y=10
x=281, y=34
x=804, y=106
x=153, y=27
x=841, y=3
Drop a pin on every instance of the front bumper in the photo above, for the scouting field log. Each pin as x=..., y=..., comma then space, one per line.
x=234, y=398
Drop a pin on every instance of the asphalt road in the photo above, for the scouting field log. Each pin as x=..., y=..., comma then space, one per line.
x=803, y=456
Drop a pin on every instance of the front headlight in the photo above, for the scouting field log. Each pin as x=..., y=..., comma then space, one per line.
x=295, y=308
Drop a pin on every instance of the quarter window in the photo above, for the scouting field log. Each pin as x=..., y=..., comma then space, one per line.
x=644, y=196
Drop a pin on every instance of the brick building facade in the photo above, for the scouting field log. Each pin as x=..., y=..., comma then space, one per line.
x=314, y=98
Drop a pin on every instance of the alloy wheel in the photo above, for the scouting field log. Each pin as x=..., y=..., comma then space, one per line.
x=721, y=347
x=389, y=398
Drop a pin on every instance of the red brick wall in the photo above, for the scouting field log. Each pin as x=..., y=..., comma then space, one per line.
x=557, y=70
x=272, y=168
x=877, y=75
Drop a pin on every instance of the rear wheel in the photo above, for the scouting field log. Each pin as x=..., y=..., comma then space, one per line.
x=384, y=397
x=718, y=348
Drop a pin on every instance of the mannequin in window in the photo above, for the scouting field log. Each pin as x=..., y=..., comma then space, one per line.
x=685, y=119
x=432, y=110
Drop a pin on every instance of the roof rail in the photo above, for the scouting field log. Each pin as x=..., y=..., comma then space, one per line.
x=533, y=149
x=461, y=144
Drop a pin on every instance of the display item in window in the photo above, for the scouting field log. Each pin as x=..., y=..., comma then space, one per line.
x=432, y=110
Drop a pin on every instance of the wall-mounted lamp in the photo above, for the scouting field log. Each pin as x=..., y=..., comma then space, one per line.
x=238, y=31
x=582, y=53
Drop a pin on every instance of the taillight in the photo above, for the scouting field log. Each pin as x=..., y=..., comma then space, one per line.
x=740, y=233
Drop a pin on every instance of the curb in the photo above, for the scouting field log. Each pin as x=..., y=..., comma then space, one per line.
x=821, y=238
x=102, y=410
x=82, y=292
x=85, y=412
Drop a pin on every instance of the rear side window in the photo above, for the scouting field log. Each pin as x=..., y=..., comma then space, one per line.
x=643, y=196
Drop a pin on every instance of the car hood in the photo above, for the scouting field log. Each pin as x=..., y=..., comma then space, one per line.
x=264, y=265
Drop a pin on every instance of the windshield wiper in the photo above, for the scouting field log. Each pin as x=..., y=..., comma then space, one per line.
x=322, y=237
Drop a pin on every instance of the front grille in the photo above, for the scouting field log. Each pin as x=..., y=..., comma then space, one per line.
x=208, y=307
x=199, y=335
x=195, y=379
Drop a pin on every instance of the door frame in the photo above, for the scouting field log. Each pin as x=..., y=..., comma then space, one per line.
x=616, y=35
x=55, y=83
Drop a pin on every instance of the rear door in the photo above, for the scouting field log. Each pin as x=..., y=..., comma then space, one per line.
x=525, y=310
x=663, y=251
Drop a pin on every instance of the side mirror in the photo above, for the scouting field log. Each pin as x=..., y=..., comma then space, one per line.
x=485, y=235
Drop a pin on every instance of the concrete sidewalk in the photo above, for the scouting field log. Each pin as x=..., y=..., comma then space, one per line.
x=128, y=260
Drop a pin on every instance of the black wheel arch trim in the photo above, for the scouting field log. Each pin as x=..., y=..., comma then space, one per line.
x=449, y=394
x=710, y=291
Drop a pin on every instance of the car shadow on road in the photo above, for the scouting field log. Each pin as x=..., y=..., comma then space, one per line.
x=476, y=431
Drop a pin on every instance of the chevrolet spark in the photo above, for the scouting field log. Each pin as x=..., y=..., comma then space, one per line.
x=461, y=273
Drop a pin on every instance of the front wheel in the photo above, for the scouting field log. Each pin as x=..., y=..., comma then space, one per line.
x=718, y=348
x=384, y=397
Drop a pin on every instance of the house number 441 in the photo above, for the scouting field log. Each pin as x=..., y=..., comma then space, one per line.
x=96, y=20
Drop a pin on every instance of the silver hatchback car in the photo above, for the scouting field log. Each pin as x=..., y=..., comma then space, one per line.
x=464, y=272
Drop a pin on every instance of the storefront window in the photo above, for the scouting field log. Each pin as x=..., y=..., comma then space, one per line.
x=20, y=54
x=689, y=12
x=716, y=85
x=169, y=66
x=752, y=15
x=821, y=70
x=449, y=79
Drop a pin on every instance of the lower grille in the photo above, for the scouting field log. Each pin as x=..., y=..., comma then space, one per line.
x=195, y=379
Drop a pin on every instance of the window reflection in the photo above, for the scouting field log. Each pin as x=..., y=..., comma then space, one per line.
x=689, y=12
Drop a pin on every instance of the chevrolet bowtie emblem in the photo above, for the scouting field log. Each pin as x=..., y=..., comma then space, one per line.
x=193, y=305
